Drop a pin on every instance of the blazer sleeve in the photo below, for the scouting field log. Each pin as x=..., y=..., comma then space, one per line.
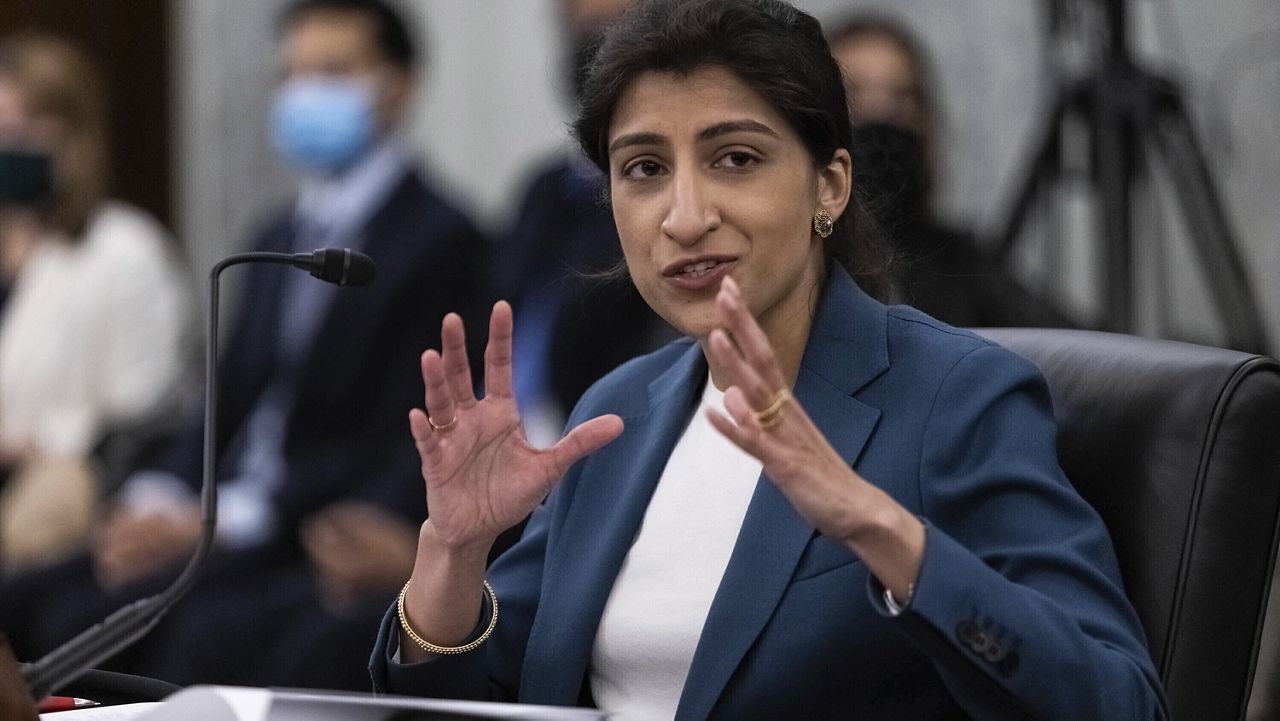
x=1019, y=601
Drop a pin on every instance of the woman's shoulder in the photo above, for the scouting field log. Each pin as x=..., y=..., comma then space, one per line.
x=924, y=345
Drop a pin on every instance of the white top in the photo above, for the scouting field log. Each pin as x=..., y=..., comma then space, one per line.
x=659, y=603
x=93, y=333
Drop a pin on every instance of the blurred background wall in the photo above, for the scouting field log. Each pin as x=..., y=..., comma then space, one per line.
x=201, y=73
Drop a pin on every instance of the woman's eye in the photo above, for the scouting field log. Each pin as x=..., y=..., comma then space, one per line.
x=737, y=159
x=642, y=169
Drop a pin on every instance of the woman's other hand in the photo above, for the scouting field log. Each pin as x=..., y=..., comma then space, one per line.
x=770, y=425
x=482, y=475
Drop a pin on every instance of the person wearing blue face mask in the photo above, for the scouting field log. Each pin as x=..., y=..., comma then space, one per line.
x=323, y=124
x=318, y=508
x=338, y=98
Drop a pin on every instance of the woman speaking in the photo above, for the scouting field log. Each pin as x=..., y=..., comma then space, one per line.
x=816, y=506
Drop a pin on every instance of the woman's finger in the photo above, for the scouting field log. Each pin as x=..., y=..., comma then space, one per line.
x=457, y=368
x=738, y=423
x=583, y=439
x=424, y=439
x=740, y=436
x=747, y=334
x=741, y=373
x=740, y=409
x=441, y=408
x=497, y=355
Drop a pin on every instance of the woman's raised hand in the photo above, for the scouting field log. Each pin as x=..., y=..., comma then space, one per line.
x=482, y=475
x=795, y=453
x=769, y=423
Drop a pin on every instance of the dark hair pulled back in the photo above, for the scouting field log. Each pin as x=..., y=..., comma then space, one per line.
x=775, y=49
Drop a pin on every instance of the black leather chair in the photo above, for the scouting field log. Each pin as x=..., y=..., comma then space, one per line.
x=1178, y=447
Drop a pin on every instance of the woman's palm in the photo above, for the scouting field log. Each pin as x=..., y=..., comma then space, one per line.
x=482, y=475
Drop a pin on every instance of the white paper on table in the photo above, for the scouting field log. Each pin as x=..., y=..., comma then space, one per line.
x=230, y=703
x=127, y=712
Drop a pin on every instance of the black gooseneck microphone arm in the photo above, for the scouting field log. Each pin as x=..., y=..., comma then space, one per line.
x=122, y=628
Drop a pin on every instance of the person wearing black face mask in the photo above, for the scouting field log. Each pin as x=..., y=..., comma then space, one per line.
x=26, y=177
x=26, y=181
x=939, y=269
x=93, y=337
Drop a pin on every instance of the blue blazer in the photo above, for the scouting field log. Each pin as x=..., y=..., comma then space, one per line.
x=1018, y=610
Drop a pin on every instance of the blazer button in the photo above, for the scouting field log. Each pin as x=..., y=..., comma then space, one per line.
x=995, y=653
x=980, y=643
x=1009, y=664
x=967, y=632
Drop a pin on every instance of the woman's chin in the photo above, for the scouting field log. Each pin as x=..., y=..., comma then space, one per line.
x=695, y=325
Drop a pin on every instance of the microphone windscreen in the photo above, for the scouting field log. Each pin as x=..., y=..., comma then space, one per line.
x=342, y=266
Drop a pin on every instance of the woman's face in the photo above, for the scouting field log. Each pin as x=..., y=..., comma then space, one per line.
x=708, y=180
x=881, y=82
x=340, y=44
x=24, y=129
x=13, y=111
x=15, y=116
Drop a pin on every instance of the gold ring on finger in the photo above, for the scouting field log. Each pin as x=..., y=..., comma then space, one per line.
x=442, y=426
x=772, y=416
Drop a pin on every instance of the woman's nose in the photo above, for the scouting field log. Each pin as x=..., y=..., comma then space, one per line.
x=690, y=213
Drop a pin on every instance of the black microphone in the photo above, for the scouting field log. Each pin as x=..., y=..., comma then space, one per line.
x=121, y=629
x=341, y=266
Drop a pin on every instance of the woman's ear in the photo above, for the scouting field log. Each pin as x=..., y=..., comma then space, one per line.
x=835, y=183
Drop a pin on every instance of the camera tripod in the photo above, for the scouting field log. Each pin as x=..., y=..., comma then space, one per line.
x=1132, y=117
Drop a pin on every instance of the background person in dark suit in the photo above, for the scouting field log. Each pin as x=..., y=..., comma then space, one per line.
x=319, y=505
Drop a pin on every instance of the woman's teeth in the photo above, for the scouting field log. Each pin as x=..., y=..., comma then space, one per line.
x=697, y=270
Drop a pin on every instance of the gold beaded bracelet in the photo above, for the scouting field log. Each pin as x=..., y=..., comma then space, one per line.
x=426, y=645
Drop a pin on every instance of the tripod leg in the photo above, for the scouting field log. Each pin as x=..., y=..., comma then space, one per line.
x=1043, y=163
x=1210, y=228
x=1115, y=162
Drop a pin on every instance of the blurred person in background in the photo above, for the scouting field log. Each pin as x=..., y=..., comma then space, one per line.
x=94, y=337
x=573, y=326
x=319, y=504
x=896, y=120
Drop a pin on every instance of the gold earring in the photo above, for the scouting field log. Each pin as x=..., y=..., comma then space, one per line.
x=822, y=223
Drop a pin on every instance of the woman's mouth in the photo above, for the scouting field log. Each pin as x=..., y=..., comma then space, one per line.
x=699, y=274
x=699, y=269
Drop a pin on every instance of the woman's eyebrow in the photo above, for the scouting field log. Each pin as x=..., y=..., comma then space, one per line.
x=623, y=141
x=708, y=133
x=735, y=126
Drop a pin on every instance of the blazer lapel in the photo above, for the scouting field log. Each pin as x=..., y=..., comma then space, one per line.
x=599, y=528
x=847, y=348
